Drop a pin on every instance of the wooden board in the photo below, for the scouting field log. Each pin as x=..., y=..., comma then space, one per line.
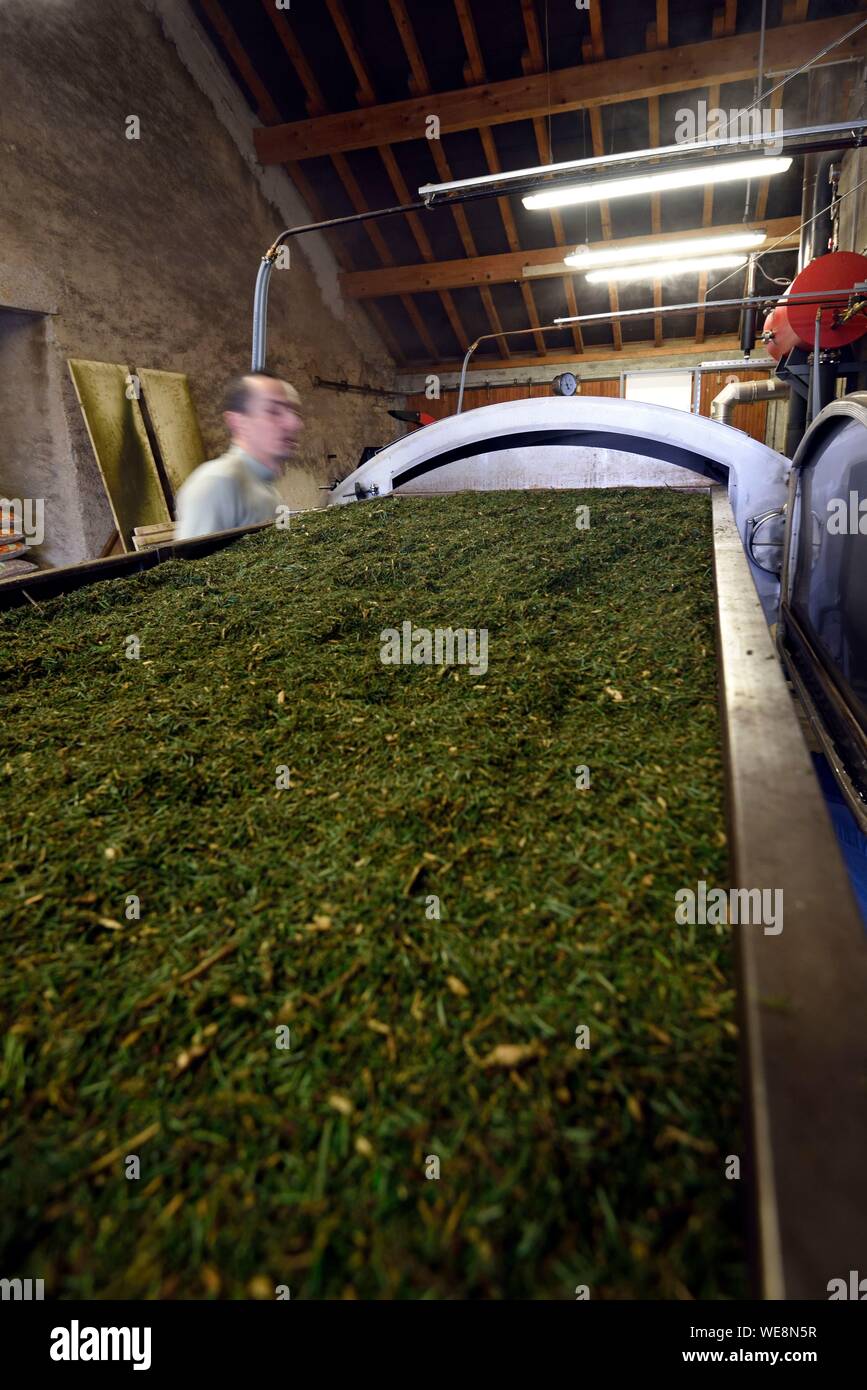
x=476, y=396
x=175, y=424
x=120, y=443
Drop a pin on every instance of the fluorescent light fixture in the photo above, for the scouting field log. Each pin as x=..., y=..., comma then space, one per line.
x=663, y=270
x=698, y=176
x=645, y=251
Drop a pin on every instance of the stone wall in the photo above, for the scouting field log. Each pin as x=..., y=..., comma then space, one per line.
x=144, y=251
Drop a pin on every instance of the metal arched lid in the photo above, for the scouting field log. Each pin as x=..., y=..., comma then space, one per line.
x=834, y=417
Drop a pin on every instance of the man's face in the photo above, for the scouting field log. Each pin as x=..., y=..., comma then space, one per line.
x=270, y=427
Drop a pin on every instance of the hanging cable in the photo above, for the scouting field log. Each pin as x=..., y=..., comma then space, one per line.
x=768, y=249
x=810, y=62
x=757, y=90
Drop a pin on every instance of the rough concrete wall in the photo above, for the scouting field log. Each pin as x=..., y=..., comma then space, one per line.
x=148, y=248
x=34, y=434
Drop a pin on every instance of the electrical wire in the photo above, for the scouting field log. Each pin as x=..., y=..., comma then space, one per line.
x=757, y=89
x=773, y=279
x=548, y=73
x=805, y=66
x=768, y=249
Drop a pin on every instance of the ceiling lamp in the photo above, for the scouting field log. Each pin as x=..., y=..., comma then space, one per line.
x=673, y=248
x=698, y=176
x=663, y=270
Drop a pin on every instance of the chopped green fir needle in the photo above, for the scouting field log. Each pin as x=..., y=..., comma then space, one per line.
x=316, y=939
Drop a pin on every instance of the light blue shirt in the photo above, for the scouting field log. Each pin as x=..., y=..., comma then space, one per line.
x=233, y=490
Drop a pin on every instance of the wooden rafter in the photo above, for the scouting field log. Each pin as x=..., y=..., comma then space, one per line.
x=316, y=104
x=594, y=52
x=762, y=195
x=421, y=84
x=267, y=111
x=590, y=86
x=474, y=71
x=723, y=23
x=366, y=96
x=533, y=62
x=657, y=37
x=673, y=347
x=508, y=266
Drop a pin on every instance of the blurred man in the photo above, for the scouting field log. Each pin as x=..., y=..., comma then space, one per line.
x=263, y=417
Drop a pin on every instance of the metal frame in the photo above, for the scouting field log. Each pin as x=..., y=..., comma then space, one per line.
x=756, y=475
x=842, y=739
x=802, y=140
x=65, y=579
x=802, y=993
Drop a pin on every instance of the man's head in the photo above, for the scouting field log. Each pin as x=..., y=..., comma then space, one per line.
x=263, y=416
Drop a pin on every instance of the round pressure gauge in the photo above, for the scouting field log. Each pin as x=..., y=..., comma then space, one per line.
x=565, y=384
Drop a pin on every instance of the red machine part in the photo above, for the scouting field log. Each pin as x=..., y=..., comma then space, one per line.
x=413, y=417
x=830, y=278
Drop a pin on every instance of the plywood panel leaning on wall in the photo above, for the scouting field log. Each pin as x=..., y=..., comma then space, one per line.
x=117, y=433
x=172, y=413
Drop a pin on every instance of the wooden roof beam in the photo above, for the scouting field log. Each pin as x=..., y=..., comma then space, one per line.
x=268, y=111
x=591, y=86
x=533, y=60
x=594, y=52
x=366, y=95
x=657, y=37
x=316, y=103
x=673, y=347
x=508, y=266
x=474, y=71
x=421, y=83
x=723, y=23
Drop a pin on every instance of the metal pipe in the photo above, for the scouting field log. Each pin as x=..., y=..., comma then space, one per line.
x=739, y=392
x=815, y=395
x=760, y=77
x=830, y=299
x=760, y=74
x=831, y=135
x=470, y=350
x=823, y=52
x=263, y=278
x=752, y=364
x=260, y=314
x=808, y=187
x=796, y=422
x=822, y=198
x=748, y=315
x=325, y=384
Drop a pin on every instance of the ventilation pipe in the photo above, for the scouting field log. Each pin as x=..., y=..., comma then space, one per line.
x=823, y=93
x=748, y=318
x=739, y=392
x=824, y=191
x=816, y=197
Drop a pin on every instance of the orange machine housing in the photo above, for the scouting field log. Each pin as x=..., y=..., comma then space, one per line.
x=831, y=279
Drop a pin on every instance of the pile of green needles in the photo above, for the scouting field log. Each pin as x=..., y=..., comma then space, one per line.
x=350, y=979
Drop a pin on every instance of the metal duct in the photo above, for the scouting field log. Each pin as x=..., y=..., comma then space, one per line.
x=823, y=197
x=739, y=392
